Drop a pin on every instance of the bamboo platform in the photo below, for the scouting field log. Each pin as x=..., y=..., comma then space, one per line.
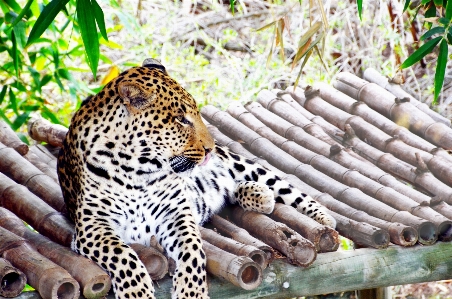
x=389, y=189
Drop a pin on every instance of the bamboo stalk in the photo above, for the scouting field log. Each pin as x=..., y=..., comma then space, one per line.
x=12, y=280
x=25, y=173
x=239, y=270
x=335, y=153
x=350, y=105
x=240, y=235
x=324, y=238
x=10, y=139
x=308, y=174
x=234, y=247
x=373, y=76
x=344, y=175
x=439, y=166
x=155, y=262
x=406, y=236
x=49, y=279
x=386, y=161
x=94, y=282
x=35, y=212
x=46, y=157
x=317, y=126
x=42, y=130
x=399, y=110
x=360, y=232
x=44, y=167
x=298, y=250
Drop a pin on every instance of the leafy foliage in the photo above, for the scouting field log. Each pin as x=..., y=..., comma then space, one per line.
x=439, y=21
x=37, y=64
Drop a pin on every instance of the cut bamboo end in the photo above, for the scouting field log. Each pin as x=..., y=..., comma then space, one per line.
x=59, y=288
x=427, y=233
x=403, y=235
x=445, y=231
x=155, y=262
x=98, y=287
x=239, y=270
x=12, y=280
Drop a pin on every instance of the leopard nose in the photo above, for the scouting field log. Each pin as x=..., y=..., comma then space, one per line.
x=207, y=150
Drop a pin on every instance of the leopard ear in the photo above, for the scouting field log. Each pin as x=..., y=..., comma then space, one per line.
x=134, y=98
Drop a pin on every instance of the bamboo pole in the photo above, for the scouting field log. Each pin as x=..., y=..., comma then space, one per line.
x=401, y=111
x=240, y=235
x=298, y=250
x=46, y=157
x=155, y=262
x=339, y=154
x=351, y=196
x=360, y=232
x=439, y=166
x=35, y=212
x=49, y=279
x=308, y=174
x=239, y=270
x=44, y=167
x=406, y=237
x=350, y=105
x=12, y=280
x=25, y=173
x=344, y=175
x=234, y=247
x=373, y=76
x=419, y=176
x=324, y=238
x=42, y=130
x=10, y=139
x=94, y=282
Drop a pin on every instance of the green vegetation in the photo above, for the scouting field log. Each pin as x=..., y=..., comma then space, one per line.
x=218, y=56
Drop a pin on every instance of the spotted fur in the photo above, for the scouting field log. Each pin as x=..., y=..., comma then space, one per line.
x=138, y=162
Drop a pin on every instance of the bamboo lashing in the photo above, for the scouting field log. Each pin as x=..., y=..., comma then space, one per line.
x=12, y=280
x=401, y=111
x=94, y=282
x=373, y=76
x=49, y=279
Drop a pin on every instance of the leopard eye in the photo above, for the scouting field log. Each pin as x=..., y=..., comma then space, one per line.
x=183, y=121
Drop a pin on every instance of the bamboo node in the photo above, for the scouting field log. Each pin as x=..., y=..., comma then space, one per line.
x=401, y=100
x=311, y=92
x=335, y=149
x=421, y=166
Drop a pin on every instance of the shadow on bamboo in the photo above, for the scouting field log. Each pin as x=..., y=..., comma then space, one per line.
x=155, y=262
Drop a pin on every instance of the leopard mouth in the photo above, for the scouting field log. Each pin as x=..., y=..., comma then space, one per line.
x=206, y=160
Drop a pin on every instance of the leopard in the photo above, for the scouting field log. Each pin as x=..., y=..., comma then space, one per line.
x=138, y=162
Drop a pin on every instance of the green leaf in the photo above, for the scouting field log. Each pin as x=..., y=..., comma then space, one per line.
x=19, y=32
x=14, y=53
x=13, y=4
x=407, y=4
x=13, y=101
x=46, y=17
x=444, y=21
x=448, y=14
x=22, y=13
x=440, y=69
x=88, y=30
x=421, y=52
x=100, y=19
x=3, y=93
x=360, y=8
x=449, y=38
x=232, y=6
x=20, y=120
x=46, y=113
x=433, y=31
